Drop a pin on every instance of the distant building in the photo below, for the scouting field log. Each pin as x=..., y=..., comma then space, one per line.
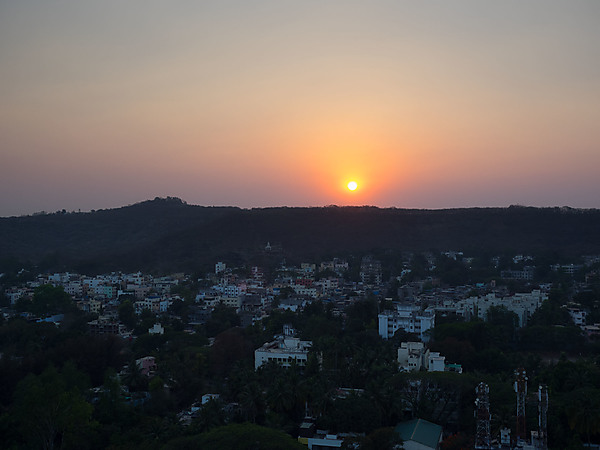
x=578, y=315
x=522, y=304
x=370, y=271
x=157, y=328
x=106, y=325
x=147, y=365
x=322, y=440
x=408, y=318
x=412, y=357
x=283, y=350
x=154, y=304
x=208, y=397
x=569, y=269
x=527, y=273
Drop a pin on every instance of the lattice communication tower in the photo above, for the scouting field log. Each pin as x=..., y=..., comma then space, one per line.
x=483, y=416
x=543, y=414
x=521, y=390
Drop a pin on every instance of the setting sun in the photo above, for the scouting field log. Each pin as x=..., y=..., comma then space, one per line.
x=352, y=185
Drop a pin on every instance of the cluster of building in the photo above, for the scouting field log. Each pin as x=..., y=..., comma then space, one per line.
x=253, y=293
x=102, y=294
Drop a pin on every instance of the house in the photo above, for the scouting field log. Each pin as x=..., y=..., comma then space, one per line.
x=419, y=434
x=147, y=365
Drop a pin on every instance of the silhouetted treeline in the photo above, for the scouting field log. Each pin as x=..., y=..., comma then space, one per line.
x=166, y=235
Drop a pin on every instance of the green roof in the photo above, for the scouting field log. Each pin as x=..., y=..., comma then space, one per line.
x=420, y=431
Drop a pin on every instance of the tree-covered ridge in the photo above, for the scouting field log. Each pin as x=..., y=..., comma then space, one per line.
x=169, y=235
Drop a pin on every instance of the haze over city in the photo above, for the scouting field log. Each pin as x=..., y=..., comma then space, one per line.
x=423, y=104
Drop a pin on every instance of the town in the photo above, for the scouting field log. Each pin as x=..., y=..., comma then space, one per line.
x=425, y=350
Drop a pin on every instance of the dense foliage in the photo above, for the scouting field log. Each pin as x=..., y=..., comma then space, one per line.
x=167, y=235
x=47, y=374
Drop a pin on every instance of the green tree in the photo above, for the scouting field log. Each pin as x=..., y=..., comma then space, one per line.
x=47, y=299
x=211, y=416
x=584, y=412
x=127, y=313
x=243, y=436
x=51, y=414
x=133, y=378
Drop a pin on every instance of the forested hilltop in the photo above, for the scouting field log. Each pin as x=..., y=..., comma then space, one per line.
x=167, y=234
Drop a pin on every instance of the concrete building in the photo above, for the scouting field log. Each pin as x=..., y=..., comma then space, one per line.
x=410, y=356
x=283, y=350
x=370, y=271
x=527, y=273
x=408, y=318
x=154, y=304
x=106, y=325
x=413, y=357
x=522, y=304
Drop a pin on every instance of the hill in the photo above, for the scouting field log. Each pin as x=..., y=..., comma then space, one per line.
x=163, y=235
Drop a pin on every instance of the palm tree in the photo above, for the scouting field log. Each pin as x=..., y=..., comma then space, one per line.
x=133, y=377
x=584, y=411
x=251, y=402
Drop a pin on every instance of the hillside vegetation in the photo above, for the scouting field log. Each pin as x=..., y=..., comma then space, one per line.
x=170, y=235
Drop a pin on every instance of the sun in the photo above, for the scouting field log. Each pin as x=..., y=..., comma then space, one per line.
x=352, y=185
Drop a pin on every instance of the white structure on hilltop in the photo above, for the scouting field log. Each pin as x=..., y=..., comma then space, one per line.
x=283, y=350
x=408, y=318
x=412, y=357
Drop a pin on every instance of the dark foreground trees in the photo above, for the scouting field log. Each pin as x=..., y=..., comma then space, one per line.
x=49, y=411
x=241, y=436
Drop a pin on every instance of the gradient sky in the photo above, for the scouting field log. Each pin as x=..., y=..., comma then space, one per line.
x=426, y=104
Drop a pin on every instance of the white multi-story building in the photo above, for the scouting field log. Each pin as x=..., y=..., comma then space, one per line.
x=283, y=351
x=304, y=290
x=328, y=284
x=522, y=304
x=413, y=357
x=408, y=318
x=410, y=356
x=435, y=362
x=232, y=302
x=154, y=304
x=233, y=290
x=73, y=288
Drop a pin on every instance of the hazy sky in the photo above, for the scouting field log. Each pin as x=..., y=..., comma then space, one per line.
x=427, y=104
